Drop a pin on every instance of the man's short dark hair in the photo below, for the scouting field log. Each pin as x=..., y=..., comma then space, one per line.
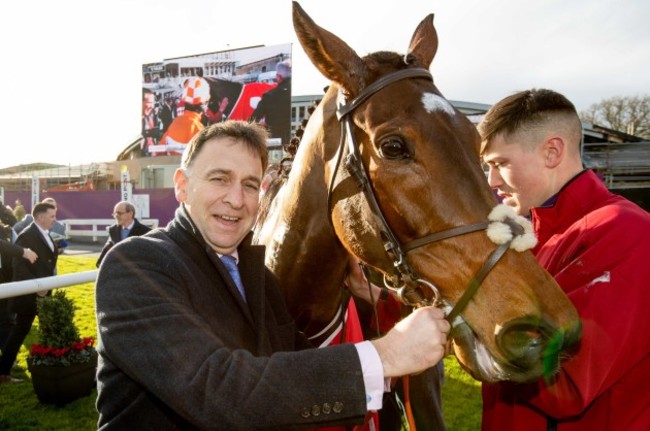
x=252, y=134
x=525, y=110
x=42, y=208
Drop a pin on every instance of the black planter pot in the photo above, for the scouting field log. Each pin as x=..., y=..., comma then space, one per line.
x=62, y=385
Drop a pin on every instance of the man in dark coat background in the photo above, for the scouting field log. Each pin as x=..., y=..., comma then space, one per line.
x=126, y=225
x=9, y=251
x=37, y=238
x=274, y=109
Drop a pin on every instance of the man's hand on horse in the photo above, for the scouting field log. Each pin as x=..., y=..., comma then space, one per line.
x=415, y=343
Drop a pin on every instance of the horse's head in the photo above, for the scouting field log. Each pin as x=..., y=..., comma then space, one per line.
x=220, y=88
x=419, y=159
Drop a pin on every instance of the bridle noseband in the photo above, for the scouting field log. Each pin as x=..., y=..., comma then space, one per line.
x=405, y=282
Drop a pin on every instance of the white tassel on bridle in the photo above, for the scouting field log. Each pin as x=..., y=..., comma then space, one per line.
x=500, y=232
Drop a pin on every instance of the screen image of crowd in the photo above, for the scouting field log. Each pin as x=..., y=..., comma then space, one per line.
x=182, y=96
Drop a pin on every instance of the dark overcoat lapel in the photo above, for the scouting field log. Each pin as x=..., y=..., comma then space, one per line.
x=44, y=266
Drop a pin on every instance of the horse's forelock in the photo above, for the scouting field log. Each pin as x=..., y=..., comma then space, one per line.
x=382, y=61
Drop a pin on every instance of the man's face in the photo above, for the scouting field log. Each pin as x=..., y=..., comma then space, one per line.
x=122, y=216
x=517, y=172
x=47, y=219
x=221, y=191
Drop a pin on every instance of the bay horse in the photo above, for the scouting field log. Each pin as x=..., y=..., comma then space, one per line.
x=389, y=171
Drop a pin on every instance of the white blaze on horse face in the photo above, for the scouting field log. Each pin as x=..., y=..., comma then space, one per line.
x=433, y=102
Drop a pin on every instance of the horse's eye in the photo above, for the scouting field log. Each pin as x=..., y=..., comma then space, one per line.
x=393, y=148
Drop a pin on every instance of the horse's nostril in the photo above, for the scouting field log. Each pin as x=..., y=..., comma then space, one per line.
x=524, y=343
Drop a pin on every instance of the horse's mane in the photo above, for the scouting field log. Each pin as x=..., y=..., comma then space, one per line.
x=270, y=193
x=279, y=172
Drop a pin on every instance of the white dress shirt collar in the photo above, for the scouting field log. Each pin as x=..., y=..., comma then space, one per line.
x=233, y=254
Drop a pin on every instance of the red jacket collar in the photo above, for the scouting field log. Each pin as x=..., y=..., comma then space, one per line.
x=575, y=199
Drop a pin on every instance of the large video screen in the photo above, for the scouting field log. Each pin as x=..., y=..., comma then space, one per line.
x=181, y=96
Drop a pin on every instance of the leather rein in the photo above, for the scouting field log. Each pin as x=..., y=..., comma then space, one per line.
x=405, y=282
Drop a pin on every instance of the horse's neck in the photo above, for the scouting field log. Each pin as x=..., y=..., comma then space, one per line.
x=302, y=248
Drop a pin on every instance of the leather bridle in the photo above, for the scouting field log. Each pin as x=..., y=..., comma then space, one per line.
x=405, y=282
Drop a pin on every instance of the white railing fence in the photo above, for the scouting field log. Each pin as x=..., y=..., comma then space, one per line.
x=96, y=228
x=17, y=288
x=93, y=228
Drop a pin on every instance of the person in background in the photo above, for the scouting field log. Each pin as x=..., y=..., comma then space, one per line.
x=37, y=238
x=193, y=329
x=58, y=230
x=9, y=251
x=167, y=113
x=7, y=215
x=196, y=94
x=126, y=225
x=596, y=244
x=274, y=109
x=151, y=123
x=19, y=210
x=20, y=225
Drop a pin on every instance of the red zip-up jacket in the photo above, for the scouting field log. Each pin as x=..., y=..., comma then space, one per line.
x=597, y=246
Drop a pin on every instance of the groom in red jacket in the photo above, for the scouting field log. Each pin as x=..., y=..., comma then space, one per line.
x=596, y=245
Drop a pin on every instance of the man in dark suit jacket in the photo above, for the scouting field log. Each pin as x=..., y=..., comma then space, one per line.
x=274, y=109
x=9, y=251
x=37, y=238
x=183, y=345
x=126, y=225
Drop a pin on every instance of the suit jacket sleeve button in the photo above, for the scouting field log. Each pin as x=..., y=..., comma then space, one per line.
x=338, y=407
x=315, y=410
x=305, y=413
x=327, y=408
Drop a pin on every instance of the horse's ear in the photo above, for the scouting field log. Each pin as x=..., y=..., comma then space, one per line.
x=424, y=44
x=333, y=57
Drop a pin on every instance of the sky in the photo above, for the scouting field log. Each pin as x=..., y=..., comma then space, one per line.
x=71, y=69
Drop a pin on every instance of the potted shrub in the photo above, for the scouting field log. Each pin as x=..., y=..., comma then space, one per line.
x=62, y=363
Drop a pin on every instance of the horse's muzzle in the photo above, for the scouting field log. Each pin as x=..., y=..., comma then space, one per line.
x=529, y=343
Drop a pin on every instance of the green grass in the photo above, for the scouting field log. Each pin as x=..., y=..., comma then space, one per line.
x=20, y=409
x=461, y=398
